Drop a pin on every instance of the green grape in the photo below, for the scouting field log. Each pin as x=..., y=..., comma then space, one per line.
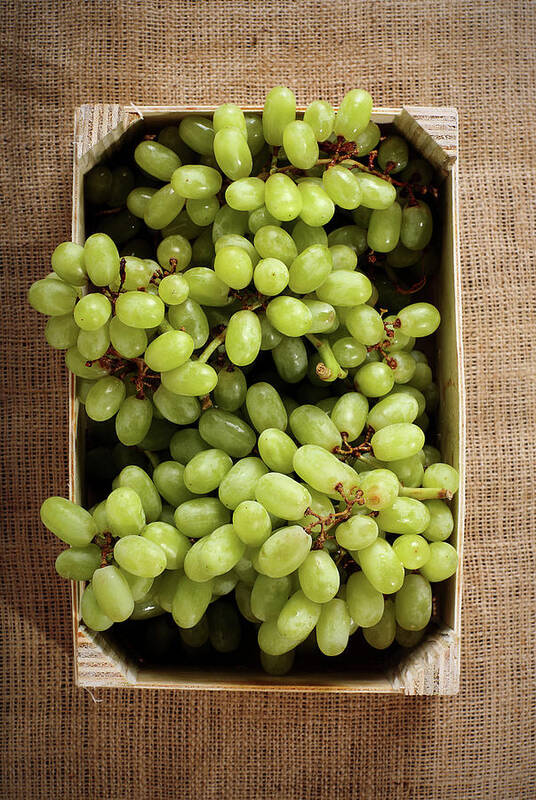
x=300, y=144
x=393, y=154
x=323, y=315
x=229, y=115
x=270, y=276
x=76, y=363
x=261, y=217
x=442, y=563
x=405, y=515
x=413, y=603
x=349, y=414
x=254, y=133
x=224, y=627
x=409, y=471
x=78, y=563
x=156, y=159
x=375, y=379
x=282, y=496
x=203, y=212
x=265, y=407
x=323, y=471
x=277, y=665
x=384, y=228
x=277, y=450
x=252, y=523
x=124, y=512
x=245, y=571
x=319, y=577
x=206, y=470
x=417, y=226
x=233, y=266
x=279, y=110
x=305, y=235
x=136, y=274
x=441, y=521
x=403, y=366
x=271, y=642
x=406, y=389
x=270, y=337
x=169, y=350
x=196, y=636
x=398, y=440
x=349, y=352
x=440, y=476
x=353, y=115
x=400, y=256
x=382, y=634
x=311, y=425
x=289, y=316
x=104, y=398
x=365, y=603
x=174, y=247
x=380, y=488
x=343, y=257
x=236, y=240
x=92, y=614
x=418, y=171
x=139, y=556
x=290, y=358
x=122, y=182
x=282, y=197
x=232, y=153
x=184, y=226
x=381, y=565
x=317, y=206
x=230, y=391
x=173, y=289
x=283, y=551
x=133, y=420
x=69, y=522
x=192, y=379
x=214, y=554
x=243, y=338
x=245, y=194
x=273, y=242
x=412, y=550
x=320, y=116
x=376, y=193
x=431, y=393
x=408, y=638
x=138, y=200
x=112, y=593
x=97, y=185
x=342, y=186
x=136, y=478
x=321, y=505
x=227, y=432
x=351, y=236
x=190, y=601
x=368, y=139
x=205, y=287
x=196, y=182
x=356, y=533
x=185, y=444
x=310, y=269
x=139, y=309
x=393, y=409
x=203, y=249
x=68, y=263
x=189, y=316
x=93, y=344
x=199, y=517
x=162, y=207
x=224, y=584
x=172, y=543
x=345, y=289
x=298, y=616
x=158, y=436
x=198, y=133
x=168, y=477
x=61, y=332
x=229, y=222
x=328, y=404
x=52, y=297
x=365, y=324
x=167, y=514
x=176, y=408
x=333, y=627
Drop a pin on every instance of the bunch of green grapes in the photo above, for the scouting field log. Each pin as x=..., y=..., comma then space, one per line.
x=220, y=330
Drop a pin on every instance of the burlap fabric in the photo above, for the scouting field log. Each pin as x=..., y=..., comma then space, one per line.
x=145, y=745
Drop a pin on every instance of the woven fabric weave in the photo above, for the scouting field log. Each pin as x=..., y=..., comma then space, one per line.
x=57, y=741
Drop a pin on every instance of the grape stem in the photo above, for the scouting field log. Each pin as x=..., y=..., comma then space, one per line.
x=329, y=368
x=346, y=450
x=152, y=457
x=327, y=522
x=424, y=493
x=212, y=346
x=106, y=543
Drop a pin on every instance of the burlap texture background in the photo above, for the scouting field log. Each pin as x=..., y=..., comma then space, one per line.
x=146, y=745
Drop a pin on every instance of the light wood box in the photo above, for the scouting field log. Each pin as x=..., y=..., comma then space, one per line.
x=434, y=666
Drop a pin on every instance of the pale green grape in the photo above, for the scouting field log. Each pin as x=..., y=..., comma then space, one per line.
x=172, y=543
x=393, y=153
x=173, y=289
x=229, y=115
x=78, y=563
x=245, y=194
x=196, y=182
x=407, y=389
x=162, y=207
x=92, y=311
x=342, y=186
x=367, y=139
x=265, y=407
x=272, y=642
x=156, y=159
x=252, y=523
x=137, y=479
x=52, y=297
x=279, y=110
x=382, y=634
x=205, y=287
x=61, y=332
x=168, y=477
x=226, y=431
x=417, y=225
x=243, y=601
x=283, y=551
x=174, y=247
x=354, y=114
x=233, y=266
x=245, y=571
x=345, y=289
x=405, y=515
x=290, y=359
x=282, y=496
x=92, y=614
x=68, y=262
x=441, y=521
x=323, y=471
x=185, y=444
x=413, y=603
x=271, y=276
x=396, y=408
x=365, y=603
x=277, y=665
x=375, y=192
x=321, y=117
x=269, y=595
x=203, y=212
x=323, y=315
x=273, y=242
x=93, y=344
x=190, y=316
x=198, y=133
x=333, y=627
x=350, y=235
x=412, y=550
x=254, y=133
x=243, y=338
x=311, y=425
x=229, y=222
x=104, y=398
x=306, y=235
x=282, y=197
x=133, y=420
x=140, y=556
x=398, y=440
x=199, y=517
x=289, y=316
x=403, y=366
x=138, y=200
x=235, y=240
x=328, y=404
x=192, y=379
x=298, y=616
x=343, y=257
x=214, y=554
x=384, y=228
x=98, y=513
x=277, y=450
x=319, y=577
x=124, y=512
x=441, y=476
x=190, y=601
x=409, y=471
x=349, y=352
x=136, y=273
x=176, y=408
x=300, y=144
x=357, y=532
x=232, y=153
x=349, y=414
x=69, y=522
x=310, y=269
x=365, y=324
x=419, y=319
x=260, y=218
x=317, y=206
x=206, y=470
x=375, y=379
x=76, y=363
x=139, y=309
x=112, y=593
x=442, y=563
x=381, y=565
x=380, y=488
x=169, y=350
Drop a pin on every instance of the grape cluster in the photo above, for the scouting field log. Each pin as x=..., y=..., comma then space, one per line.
x=225, y=330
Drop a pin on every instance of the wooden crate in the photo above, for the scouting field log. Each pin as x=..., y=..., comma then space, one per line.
x=433, y=667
